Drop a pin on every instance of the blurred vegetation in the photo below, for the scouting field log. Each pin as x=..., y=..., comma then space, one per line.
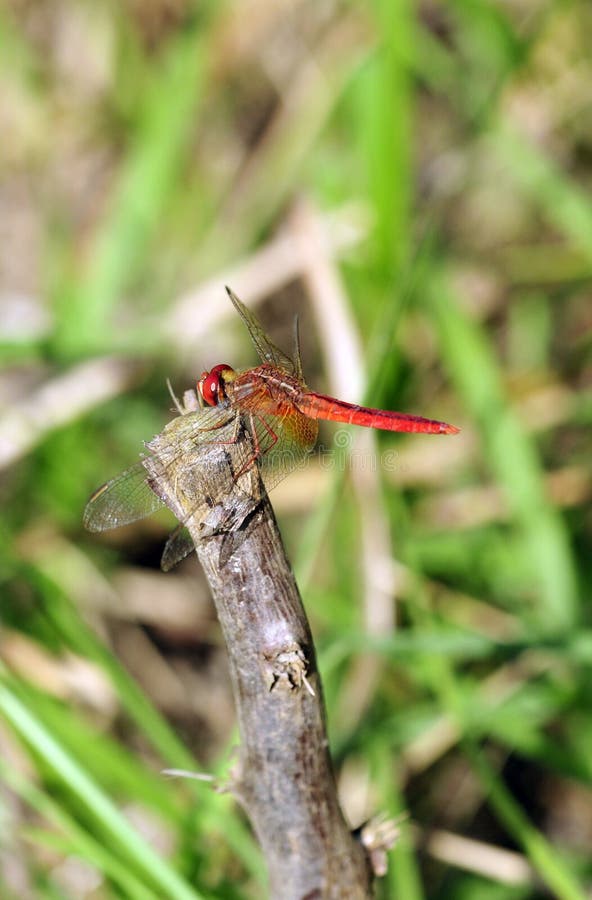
x=149, y=149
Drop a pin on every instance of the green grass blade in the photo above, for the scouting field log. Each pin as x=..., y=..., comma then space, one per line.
x=512, y=457
x=145, y=185
x=563, y=202
x=78, y=840
x=108, y=818
x=545, y=858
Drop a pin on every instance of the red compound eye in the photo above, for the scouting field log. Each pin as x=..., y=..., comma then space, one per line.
x=211, y=385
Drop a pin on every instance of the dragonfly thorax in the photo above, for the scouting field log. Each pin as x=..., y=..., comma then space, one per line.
x=211, y=385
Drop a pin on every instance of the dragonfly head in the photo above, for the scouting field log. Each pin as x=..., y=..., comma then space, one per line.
x=211, y=386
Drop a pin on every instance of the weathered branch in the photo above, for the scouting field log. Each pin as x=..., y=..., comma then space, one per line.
x=283, y=778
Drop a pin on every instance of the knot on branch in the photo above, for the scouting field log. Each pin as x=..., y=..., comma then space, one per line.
x=286, y=669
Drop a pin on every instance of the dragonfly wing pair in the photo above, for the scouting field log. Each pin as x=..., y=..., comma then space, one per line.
x=200, y=450
x=270, y=401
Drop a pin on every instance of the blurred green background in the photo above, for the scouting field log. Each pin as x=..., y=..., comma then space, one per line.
x=413, y=180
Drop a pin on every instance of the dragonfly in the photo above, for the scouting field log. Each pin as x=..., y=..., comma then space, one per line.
x=280, y=413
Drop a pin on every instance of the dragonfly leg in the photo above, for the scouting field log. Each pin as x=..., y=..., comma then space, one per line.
x=234, y=439
x=257, y=449
x=269, y=431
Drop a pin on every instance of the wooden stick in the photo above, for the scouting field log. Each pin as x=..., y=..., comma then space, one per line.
x=283, y=777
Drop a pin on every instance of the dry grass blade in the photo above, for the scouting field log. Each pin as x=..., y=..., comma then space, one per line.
x=61, y=400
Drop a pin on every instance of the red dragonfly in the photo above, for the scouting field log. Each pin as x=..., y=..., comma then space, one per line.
x=273, y=402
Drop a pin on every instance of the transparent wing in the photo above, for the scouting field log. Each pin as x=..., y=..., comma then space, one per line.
x=130, y=496
x=124, y=499
x=222, y=517
x=283, y=440
x=178, y=546
x=193, y=442
x=214, y=479
x=268, y=352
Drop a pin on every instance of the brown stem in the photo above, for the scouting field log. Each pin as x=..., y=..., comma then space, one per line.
x=283, y=778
